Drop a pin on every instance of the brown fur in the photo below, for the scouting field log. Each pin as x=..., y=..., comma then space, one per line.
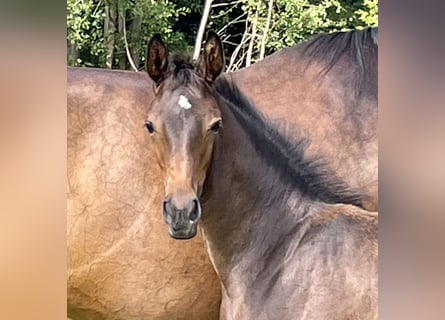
x=121, y=262
x=114, y=220
x=342, y=126
x=282, y=248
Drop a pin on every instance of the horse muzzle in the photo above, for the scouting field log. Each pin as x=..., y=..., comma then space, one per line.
x=182, y=220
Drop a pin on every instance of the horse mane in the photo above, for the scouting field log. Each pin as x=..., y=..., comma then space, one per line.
x=182, y=61
x=184, y=73
x=281, y=148
x=330, y=48
x=285, y=151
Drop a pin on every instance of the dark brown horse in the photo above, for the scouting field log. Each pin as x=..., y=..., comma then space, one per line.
x=113, y=268
x=285, y=234
x=328, y=88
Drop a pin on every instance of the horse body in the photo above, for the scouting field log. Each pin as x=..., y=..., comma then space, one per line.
x=309, y=271
x=280, y=255
x=120, y=264
x=328, y=87
x=284, y=234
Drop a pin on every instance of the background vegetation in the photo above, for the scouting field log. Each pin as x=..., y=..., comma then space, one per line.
x=114, y=33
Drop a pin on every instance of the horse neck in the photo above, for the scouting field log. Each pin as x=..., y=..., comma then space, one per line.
x=247, y=208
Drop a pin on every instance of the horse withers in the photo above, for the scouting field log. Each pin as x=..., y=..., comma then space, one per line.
x=327, y=87
x=285, y=234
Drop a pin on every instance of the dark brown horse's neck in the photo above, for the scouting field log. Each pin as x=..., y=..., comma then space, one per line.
x=248, y=211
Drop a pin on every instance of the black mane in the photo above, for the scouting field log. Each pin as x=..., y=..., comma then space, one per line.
x=330, y=48
x=184, y=73
x=285, y=153
x=182, y=62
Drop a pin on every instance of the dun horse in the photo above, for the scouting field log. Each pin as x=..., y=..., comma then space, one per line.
x=284, y=234
x=120, y=264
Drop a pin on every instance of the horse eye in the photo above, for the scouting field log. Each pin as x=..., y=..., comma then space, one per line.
x=149, y=126
x=216, y=126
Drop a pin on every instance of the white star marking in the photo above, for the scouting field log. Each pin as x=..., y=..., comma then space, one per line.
x=184, y=103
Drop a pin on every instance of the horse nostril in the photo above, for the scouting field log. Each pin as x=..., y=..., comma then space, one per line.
x=194, y=213
x=166, y=208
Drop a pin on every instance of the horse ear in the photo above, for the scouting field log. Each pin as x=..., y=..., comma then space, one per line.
x=212, y=61
x=157, y=59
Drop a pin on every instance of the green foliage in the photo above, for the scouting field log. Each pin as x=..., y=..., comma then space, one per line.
x=158, y=17
x=369, y=13
x=86, y=23
x=292, y=21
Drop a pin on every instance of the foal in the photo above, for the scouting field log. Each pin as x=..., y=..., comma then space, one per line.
x=285, y=237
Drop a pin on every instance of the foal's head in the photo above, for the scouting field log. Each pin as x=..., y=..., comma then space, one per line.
x=183, y=122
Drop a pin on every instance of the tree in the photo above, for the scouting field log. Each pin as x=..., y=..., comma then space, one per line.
x=105, y=33
x=114, y=33
x=275, y=24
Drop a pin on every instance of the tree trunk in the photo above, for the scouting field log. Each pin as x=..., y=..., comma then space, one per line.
x=73, y=53
x=121, y=26
x=252, y=41
x=202, y=26
x=135, y=40
x=266, y=30
x=109, y=31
